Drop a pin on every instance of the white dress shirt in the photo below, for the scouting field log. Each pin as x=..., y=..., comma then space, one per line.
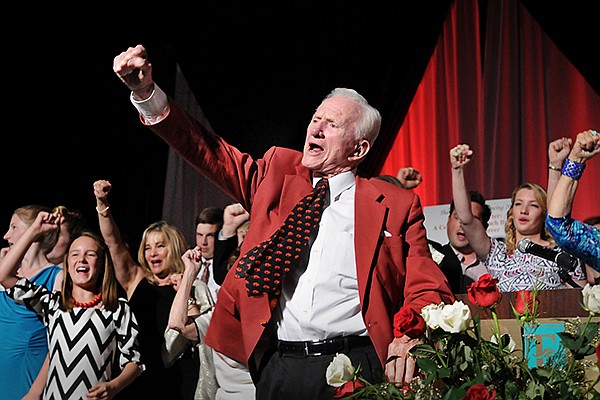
x=213, y=287
x=325, y=302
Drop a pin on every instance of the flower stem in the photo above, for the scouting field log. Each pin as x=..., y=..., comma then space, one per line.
x=592, y=385
x=439, y=356
x=587, y=323
x=497, y=324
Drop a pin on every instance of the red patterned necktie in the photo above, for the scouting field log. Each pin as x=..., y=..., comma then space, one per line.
x=205, y=272
x=264, y=266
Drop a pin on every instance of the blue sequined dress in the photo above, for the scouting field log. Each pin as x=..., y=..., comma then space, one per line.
x=577, y=238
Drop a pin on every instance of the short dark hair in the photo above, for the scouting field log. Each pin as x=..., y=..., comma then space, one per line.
x=211, y=215
x=486, y=211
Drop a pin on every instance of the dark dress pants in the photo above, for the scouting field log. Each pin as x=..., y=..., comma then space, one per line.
x=287, y=376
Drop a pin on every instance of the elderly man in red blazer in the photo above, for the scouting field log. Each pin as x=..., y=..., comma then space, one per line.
x=370, y=256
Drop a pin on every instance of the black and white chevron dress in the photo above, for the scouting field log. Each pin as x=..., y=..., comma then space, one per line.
x=87, y=345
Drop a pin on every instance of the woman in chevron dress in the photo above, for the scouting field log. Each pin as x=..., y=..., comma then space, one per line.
x=92, y=333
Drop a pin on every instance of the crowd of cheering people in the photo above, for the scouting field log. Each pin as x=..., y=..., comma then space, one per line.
x=174, y=321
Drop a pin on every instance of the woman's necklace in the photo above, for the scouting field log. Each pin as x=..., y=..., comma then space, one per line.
x=89, y=304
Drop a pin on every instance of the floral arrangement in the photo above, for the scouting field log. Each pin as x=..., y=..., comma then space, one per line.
x=456, y=362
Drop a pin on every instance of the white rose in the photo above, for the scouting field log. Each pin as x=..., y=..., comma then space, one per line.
x=432, y=315
x=511, y=343
x=455, y=317
x=591, y=298
x=339, y=371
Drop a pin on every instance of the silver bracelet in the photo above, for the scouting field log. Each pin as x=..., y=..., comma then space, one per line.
x=553, y=168
x=103, y=211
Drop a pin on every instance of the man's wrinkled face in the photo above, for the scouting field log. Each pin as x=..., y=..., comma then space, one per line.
x=330, y=137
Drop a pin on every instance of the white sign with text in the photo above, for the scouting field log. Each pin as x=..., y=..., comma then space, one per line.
x=436, y=218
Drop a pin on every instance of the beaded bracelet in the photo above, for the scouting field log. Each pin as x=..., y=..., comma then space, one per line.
x=572, y=169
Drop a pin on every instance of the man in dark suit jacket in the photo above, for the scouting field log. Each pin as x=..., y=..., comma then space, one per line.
x=344, y=298
x=456, y=258
x=228, y=240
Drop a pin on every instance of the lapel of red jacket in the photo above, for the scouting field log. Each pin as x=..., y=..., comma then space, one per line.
x=294, y=188
x=369, y=224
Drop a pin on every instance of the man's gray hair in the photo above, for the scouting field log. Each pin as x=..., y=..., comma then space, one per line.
x=370, y=121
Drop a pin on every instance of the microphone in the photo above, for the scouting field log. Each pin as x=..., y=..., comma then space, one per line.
x=566, y=262
x=527, y=246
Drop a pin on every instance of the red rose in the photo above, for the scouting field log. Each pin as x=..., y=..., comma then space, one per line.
x=598, y=353
x=408, y=322
x=347, y=389
x=524, y=302
x=479, y=392
x=484, y=292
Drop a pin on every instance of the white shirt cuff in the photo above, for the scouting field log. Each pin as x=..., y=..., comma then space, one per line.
x=155, y=108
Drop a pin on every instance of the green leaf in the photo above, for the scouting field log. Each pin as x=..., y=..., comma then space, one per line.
x=455, y=393
x=568, y=340
x=423, y=350
x=591, y=331
x=427, y=365
x=584, y=351
x=535, y=390
x=443, y=372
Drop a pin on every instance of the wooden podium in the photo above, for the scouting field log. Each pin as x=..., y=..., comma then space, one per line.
x=555, y=306
x=562, y=303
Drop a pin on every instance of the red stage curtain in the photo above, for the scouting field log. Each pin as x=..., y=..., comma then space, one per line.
x=497, y=82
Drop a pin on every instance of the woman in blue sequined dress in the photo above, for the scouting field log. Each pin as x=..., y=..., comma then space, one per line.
x=578, y=238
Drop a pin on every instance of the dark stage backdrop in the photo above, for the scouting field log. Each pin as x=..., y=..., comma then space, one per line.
x=496, y=81
x=258, y=71
x=499, y=83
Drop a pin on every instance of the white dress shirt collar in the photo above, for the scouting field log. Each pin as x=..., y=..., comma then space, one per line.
x=339, y=183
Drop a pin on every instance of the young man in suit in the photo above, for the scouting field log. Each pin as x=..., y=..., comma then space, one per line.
x=456, y=258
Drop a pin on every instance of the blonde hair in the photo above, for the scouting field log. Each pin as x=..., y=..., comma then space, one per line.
x=74, y=224
x=176, y=246
x=509, y=227
x=108, y=284
x=27, y=214
x=72, y=219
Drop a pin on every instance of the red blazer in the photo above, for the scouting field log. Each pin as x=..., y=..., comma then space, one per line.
x=394, y=265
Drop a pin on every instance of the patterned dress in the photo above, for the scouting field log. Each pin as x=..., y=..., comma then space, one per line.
x=23, y=341
x=87, y=345
x=524, y=271
x=575, y=237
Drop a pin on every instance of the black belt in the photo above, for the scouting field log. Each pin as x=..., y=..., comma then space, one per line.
x=322, y=347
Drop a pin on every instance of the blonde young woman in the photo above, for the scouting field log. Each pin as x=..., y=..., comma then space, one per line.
x=148, y=283
x=92, y=333
x=525, y=219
